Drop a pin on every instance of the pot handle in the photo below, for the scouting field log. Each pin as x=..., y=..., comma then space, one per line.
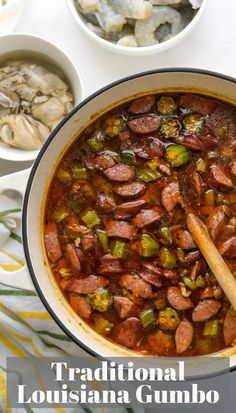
x=19, y=278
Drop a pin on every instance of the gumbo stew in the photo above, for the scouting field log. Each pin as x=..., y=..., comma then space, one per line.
x=115, y=224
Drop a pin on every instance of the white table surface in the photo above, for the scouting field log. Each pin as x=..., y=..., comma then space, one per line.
x=211, y=46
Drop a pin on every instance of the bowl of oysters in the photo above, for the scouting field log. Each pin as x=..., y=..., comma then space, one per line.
x=136, y=27
x=39, y=86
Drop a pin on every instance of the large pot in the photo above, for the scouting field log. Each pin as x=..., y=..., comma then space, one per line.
x=171, y=80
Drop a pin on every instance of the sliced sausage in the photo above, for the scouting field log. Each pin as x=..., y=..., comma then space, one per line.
x=89, y=242
x=170, y=196
x=205, y=310
x=119, y=173
x=164, y=167
x=136, y=285
x=102, y=162
x=229, y=328
x=124, y=306
x=176, y=299
x=220, y=178
x=151, y=278
x=142, y=105
x=121, y=229
x=51, y=242
x=199, y=104
x=147, y=217
x=191, y=257
x=87, y=285
x=145, y=124
x=105, y=203
x=110, y=265
x=228, y=248
x=211, y=291
x=149, y=148
x=223, y=115
x=183, y=239
x=81, y=306
x=128, y=209
x=216, y=222
x=128, y=333
x=197, y=142
x=131, y=190
x=183, y=336
x=73, y=257
x=198, y=184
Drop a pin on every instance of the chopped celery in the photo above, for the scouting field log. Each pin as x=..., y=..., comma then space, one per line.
x=79, y=172
x=119, y=249
x=200, y=165
x=103, y=239
x=200, y=282
x=147, y=317
x=170, y=128
x=113, y=126
x=148, y=246
x=177, y=155
x=166, y=105
x=101, y=300
x=59, y=214
x=63, y=176
x=211, y=328
x=103, y=326
x=180, y=255
x=167, y=258
x=147, y=175
x=193, y=123
x=168, y=319
x=166, y=234
x=96, y=142
x=128, y=156
x=91, y=219
x=189, y=283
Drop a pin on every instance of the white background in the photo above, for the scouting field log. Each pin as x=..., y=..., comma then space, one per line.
x=211, y=45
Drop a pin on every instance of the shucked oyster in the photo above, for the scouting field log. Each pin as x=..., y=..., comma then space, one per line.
x=33, y=100
x=22, y=131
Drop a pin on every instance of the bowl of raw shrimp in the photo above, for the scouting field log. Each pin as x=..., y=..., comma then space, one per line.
x=39, y=85
x=137, y=27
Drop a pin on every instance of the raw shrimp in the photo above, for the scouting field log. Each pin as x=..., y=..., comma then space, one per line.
x=134, y=9
x=128, y=41
x=88, y=6
x=164, y=2
x=145, y=29
x=109, y=20
x=196, y=4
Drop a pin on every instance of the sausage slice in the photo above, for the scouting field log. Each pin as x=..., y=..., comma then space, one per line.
x=124, y=306
x=176, y=299
x=128, y=333
x=103, y=162
x=219, y=178
x=128, y=209
x=87, y=285
x=119, y=173
x=132, y=190
x=51, y=242
x=205, y=310
x=148, y=217
x=121, y=229
x=170, y=196
x=145, y=124
x=142, y=105
x=136, y=285
x=109, y=265
x=216, y=222
x=81, y=306
x=228, y=248
x=183, y=239
x=73, y=257
x=105, y=203
x=199, y=104
x=149, y=148
x=183, y=336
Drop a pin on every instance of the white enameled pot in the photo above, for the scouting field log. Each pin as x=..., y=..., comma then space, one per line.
x=161, y=81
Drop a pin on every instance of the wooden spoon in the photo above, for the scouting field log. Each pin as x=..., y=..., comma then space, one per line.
x=212, y=256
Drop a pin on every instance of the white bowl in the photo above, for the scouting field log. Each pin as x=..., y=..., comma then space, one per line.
x=10, y=15
x=160, y=81
x=134, y=51
x=27, y=43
